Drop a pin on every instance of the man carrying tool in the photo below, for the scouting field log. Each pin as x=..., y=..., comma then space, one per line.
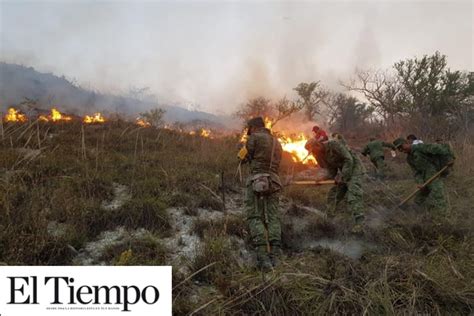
x=375, y=151
x=412, y=139
x=426, y=161
x=346, y=170
x=263, y=187
x=339, y=138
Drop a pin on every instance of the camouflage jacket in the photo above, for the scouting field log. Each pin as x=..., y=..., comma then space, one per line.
x=260, y=146
x=339, y=157
x=375, y=149
x=427, y=159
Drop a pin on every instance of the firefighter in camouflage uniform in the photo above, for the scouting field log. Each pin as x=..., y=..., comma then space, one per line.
x=346, y=168
x=263, y=153
x=375, y=151
x=425, y=160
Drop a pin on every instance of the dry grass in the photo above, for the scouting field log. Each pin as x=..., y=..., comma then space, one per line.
x=419, y=265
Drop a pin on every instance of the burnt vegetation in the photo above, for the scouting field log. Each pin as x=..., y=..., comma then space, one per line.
x=62, y=185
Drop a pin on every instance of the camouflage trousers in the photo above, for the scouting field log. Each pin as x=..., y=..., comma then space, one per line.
x=432, y=197
x=352, y=192
x=262, y=215
x=380, y=166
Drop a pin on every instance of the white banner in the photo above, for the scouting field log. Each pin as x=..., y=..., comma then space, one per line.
x=85, y=290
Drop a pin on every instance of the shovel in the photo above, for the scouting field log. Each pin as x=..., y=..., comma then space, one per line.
x=434, y=177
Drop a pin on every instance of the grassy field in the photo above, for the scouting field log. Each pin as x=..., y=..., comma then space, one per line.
x=118, y=194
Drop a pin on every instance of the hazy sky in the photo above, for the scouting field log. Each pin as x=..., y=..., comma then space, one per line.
x=218, y=54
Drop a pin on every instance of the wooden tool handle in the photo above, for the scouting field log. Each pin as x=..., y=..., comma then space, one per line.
x=312, y=182
x=436, y=175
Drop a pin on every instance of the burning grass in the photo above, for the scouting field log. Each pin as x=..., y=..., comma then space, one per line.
x=14, y=115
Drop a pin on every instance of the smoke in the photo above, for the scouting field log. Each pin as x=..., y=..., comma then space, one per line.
x=217, y=55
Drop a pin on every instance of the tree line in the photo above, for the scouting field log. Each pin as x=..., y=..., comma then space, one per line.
x=422, y=95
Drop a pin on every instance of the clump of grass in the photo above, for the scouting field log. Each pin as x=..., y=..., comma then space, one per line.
x=231, y=226
x=217, y=255
x=136, y=251
x=202, y=227
x=93, y=187
x=148, y=213
x=236, y=226
x=314, y=196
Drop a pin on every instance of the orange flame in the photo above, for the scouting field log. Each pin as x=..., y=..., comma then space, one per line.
x=268, y=122
x=295, y=146
x=205, y=132
x=96, y=118
x=143, y=122
x=15, y=116
x=54, y=116
x=244, y=136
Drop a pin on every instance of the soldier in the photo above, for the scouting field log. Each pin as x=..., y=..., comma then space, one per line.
x=375, y=151
x=425, y=160
x=412, y=139
x=339, y=138
x=263, y=188
x=319, y=134
x=316, y=148
x=346, y=169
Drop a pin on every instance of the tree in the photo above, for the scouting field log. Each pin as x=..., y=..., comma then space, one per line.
x=347, y=114
x=384, y=92
x=276, y=111
x=420, y=93
x=311, y=97
x=436, y=94
x=258, y=106
x=154, y=117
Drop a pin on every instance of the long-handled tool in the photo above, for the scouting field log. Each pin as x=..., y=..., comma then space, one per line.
x=265, y=225
x=306, y=157
x=436, y=175
x=238, y=172
x=312, y=182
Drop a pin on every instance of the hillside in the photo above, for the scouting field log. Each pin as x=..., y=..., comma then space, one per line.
x=19, y=82
x=118, y=194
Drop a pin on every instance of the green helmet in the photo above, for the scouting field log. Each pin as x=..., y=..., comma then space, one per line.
x=256, y=122
x=398, y=142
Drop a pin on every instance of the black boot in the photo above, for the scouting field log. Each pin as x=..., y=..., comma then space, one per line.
x=263, y=259
x=275, y=255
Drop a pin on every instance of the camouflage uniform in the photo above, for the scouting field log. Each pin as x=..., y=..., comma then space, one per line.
x=375, y=151
x=339, y=158
x=260, y=146
x=425, y=160
x=339, y=138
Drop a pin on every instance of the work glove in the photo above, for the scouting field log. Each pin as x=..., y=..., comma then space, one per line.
x=242, y=154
